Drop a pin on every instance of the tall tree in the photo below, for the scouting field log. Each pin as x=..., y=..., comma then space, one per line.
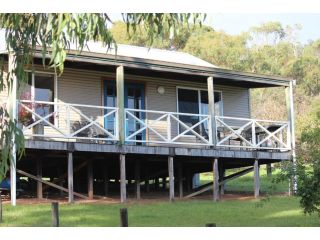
x=52, y=34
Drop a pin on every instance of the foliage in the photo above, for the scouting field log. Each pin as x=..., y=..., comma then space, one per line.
x=51, y=36
x=309, y=167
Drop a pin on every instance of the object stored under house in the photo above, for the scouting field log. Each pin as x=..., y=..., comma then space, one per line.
x=116, y=124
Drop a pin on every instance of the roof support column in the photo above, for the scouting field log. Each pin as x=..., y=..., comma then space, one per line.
x=211, y=111
x=291, y=130
x=12, y=64
x=120, y=104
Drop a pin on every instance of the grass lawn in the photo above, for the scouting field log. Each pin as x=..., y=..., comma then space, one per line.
x=245, y=183
x=277, y=211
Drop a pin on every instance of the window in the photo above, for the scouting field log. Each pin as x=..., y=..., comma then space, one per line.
x=40, y=87
x=195, y=101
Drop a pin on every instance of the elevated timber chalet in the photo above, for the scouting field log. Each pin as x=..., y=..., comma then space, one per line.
x=142, y=119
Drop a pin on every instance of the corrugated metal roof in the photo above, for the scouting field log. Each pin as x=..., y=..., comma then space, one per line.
x=148, y=53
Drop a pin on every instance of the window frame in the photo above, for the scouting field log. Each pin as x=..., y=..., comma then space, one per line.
x=55, y=90
x=199, y=102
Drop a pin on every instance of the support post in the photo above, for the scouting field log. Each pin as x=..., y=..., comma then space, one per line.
x=164, y=183
x=211, y=110
x=256, y=178
x=55, y=214
x=222, y=173
x=180, y=177
x=147, y=181
x=90, y=179
x=137, y=179
x=120, y=104
x=13, y=115
x=291, y=131
x=70, y=177
x=269, y=169
x=106, y=180
x=124, y=217
x=39, y=175
x=123, y=192
x=171, y=178
x=215, y=180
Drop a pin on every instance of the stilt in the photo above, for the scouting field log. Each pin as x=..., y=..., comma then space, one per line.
x=215, y=180
x=137, y=179
x=164, y=183
x=147, y=181
x=180, y=176
x=256, y=179
x=188, y=180
x=123, y=192
x=156, y=183
x=70, y=177
x=171, y=178
x=39, y=175
x=90, y=179
x=269, y=170
x=222, y=173
x=106, y=180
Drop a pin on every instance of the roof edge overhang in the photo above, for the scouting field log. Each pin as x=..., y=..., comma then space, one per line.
x=116, y=60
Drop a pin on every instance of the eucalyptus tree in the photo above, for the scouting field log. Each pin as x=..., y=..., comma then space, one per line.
x=51, y=34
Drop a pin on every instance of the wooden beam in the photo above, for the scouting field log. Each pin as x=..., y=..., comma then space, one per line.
x=120, y=104
x=211, y=109
x=256, y=179
x=164, y=183
x=90, y=179
x=180, y=180
x=137, y=179
x=70, y=178
x=65, y=175
x=235, y=175
x=123, y=190
x=207, y=188
x=106, y=179
x=269, y=169
x=49, y=183
x=39, y=175
x=222, y=173
x=215, y=180
x=171, y=178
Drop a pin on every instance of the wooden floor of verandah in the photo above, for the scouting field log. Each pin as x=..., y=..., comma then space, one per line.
x=97, y=169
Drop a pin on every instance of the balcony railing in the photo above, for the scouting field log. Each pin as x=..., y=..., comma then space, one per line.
x=97, y=124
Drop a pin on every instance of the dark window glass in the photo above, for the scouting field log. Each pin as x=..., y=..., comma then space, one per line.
x=44, y=91
x=188, y=102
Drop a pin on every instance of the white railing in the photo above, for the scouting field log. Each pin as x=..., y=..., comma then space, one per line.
x=98, y=124
x=252, y=133
x=167, y=127
x=67, y=121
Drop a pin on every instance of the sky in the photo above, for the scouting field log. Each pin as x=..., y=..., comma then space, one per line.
x=235, y=23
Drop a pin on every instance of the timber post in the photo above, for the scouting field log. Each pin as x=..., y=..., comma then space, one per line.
x=222, y=173
x=291, y=130
x=55, y=214
x=12, y=64
x=123, y=190
x=269, y=169
x=211, y=110
x=124, y=217
x=106, y=180
x=39, y=175
x=70, y=177
x=0, y=208
x=171, y=178
x=120, y=104
x=215, y=180
x=180, y=177
x=90, y=179
x=137, y=179
x=256, y=178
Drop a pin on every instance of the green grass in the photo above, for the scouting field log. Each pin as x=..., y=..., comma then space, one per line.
x=276, y=211
x=245, y=183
